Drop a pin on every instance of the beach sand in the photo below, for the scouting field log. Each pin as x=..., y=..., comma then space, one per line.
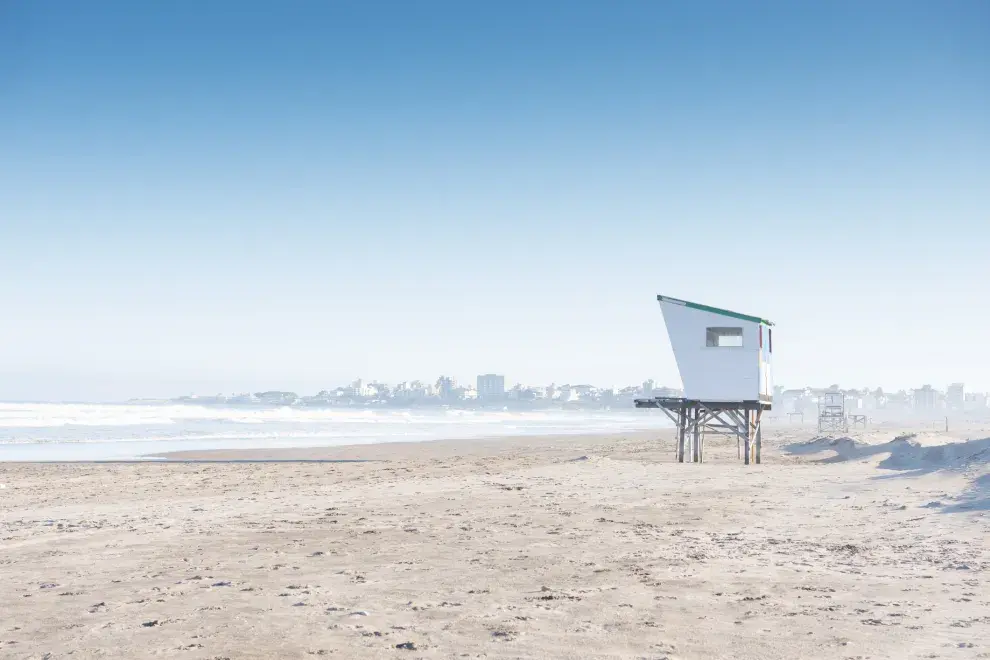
x=575, y=547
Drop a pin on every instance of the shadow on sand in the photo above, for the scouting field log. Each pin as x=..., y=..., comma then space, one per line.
x=909, y=458
x=975, y=498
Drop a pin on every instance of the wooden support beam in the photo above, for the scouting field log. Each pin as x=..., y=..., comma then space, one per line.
x=759, y=436
x=693, y=418
x=749, y=434
x=701, y=443
x=696, y=434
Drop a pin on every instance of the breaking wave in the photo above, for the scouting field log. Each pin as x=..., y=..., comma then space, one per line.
x=169, y=427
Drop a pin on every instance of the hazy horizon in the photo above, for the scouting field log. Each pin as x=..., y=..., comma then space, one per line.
x=231, y=197
x=179, y=398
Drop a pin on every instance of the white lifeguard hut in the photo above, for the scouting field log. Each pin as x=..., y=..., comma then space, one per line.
x=725, y=362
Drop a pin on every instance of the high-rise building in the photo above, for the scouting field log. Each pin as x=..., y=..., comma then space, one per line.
x=445, y=387
x=924, y=398
x=491, y=386
x=955, y=397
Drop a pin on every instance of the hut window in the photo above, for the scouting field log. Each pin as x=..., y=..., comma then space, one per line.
x=770, y=338
x=721, y=337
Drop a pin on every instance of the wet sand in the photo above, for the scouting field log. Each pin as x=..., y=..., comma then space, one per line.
x=568, y=547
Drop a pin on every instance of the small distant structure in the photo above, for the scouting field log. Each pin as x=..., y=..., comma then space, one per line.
x=857, y=421
x=724, y=359
x=832, y=413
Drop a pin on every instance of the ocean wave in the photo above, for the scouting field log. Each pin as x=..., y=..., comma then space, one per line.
x=52, y=415
x=99, y=431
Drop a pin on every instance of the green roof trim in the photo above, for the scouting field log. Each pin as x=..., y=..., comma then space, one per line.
x=714, y=310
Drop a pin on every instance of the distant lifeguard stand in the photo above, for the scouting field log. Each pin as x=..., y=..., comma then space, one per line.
x=724, y=359
x=832, y=413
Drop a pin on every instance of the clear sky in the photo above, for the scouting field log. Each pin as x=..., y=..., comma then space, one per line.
x=230, y=196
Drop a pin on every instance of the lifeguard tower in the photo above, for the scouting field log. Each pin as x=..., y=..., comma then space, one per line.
x=832, y=413
x=724, y=359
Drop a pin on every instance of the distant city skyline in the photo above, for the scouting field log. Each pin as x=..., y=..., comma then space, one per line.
x=233, y=196
x=495, y=386
x=491, y=391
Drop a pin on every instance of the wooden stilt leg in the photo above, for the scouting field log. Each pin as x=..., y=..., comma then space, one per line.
x=701, y=440
x=749, y=435
x=759, y=437
x=696, y=435
x=687, y=435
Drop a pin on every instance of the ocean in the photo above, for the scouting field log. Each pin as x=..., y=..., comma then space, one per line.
x=94, y=432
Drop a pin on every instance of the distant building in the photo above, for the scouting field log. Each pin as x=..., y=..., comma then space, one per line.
x=277, y=398
x=925, y=398
x=955, y=397
x=446, y=387
x=879, y=398
x=899, y=400
x=668, y=392
x=491, y=386
x=976, y=401
x=525, y=393
x=584, y=391
x=356, y=389
x=412, y=391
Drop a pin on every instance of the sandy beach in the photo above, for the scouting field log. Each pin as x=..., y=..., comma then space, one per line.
x=558, y=547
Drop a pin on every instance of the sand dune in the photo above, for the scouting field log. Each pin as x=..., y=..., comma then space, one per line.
x=588, y=547
x=909, y=451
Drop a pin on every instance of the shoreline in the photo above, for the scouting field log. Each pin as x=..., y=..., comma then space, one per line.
x=438, y=447
x=349, y=451
x=380, y=451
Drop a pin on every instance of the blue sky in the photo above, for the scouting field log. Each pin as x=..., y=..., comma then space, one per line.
x=231, y=196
